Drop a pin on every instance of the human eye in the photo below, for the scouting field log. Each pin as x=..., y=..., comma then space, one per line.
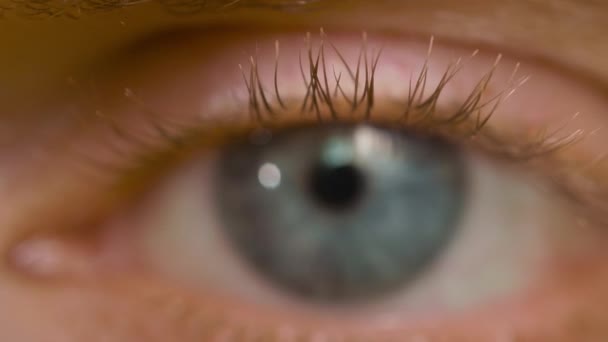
x=238, y=183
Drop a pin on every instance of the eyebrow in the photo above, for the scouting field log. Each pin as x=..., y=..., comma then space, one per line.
x=40, y=9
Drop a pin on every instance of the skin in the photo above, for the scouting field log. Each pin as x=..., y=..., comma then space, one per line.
x=56, y=295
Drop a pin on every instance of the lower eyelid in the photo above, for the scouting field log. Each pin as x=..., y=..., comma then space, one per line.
x=181, y=312
x=158, y=310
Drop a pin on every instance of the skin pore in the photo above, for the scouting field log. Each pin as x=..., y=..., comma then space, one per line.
x=44, y=57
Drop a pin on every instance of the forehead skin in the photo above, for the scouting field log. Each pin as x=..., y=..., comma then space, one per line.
x=569, y=32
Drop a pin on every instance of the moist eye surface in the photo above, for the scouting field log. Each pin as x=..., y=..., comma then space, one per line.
x=340, y=213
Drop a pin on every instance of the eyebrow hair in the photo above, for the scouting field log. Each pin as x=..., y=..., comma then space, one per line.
x=41, y=9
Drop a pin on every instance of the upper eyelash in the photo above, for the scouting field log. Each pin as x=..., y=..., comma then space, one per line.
x=419, y=110
x=467, y=124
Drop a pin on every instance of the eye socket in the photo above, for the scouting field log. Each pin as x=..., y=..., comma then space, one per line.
x=511, y=248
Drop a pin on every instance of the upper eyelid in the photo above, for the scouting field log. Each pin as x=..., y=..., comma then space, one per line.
x=137, y=54
x=240, y=53
x=139, y=50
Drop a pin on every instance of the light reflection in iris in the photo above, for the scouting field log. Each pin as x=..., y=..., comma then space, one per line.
x=269, y=176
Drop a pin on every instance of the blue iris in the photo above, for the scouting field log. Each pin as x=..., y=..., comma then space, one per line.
x=341, y=213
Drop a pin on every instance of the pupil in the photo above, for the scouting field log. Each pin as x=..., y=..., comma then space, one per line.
x=337, y=187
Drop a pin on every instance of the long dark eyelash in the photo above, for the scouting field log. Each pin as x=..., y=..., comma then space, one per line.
x=327, y=99
x=418, y=111
x=419, y=108
x=467, y=122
